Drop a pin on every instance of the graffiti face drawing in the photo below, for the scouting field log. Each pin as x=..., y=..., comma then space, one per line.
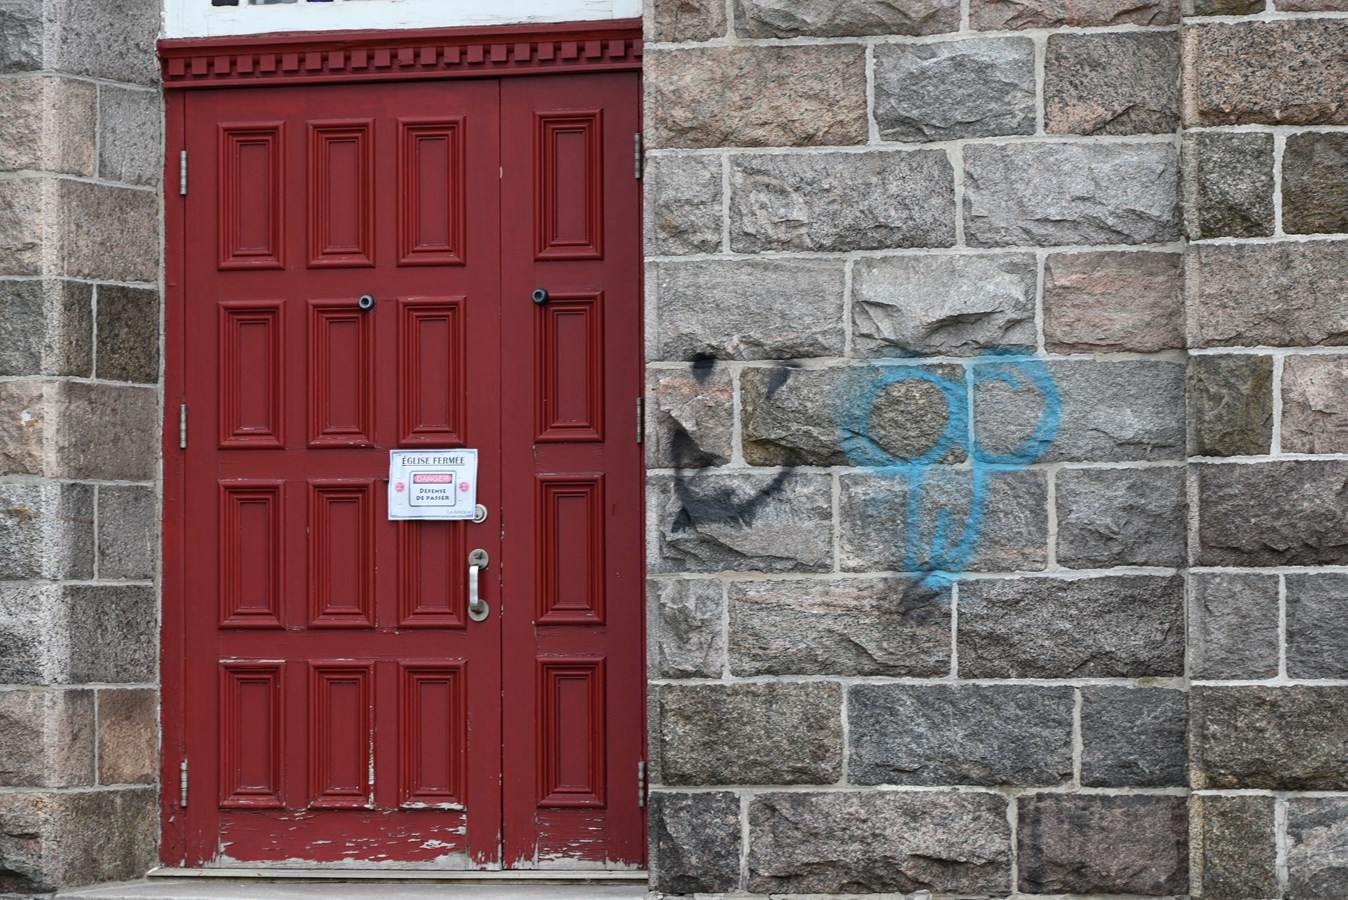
x=937, y=546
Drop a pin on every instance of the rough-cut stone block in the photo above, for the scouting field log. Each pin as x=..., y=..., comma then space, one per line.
x=959, y=734
x=683, y=204
x=128, y=536
x=1234, y=854
x=131, y=143
x=743, y=523
x=1111, y=83
x=1228, y=184
x=1049, y=194
x=125, y=245
x=23, y=414
x=692, y=417
x=841, y=201
x=1317, y=833
x=955, y=89
x=128, y=334
x=49, y=738
x=106, y=432
x=748, y=733
x=1288, y=294
x=1315, y=404
x=33, y=642
x=1273, y=514
x=51, y=840
x=1314, y=168
x=844, y=18
x=747, y=309
x=999, y=524
x=47, y=328
x=114, y=633
x=1221, y=7
x=1133, y=737
x=1230, y=402
x=128, y=736
x=1103, y=845
x=21, y=24
x=695, y=842
x=48, y=123
x=1317, y=626
x=942, y=305
x=756, y=96
x=1233, y=626
x=683, y=628
x=844, y=626
x=1108, y=412
x=1277, y=73
x=24, y=531
x=25, y=230
x=124, y=34
x=1113, y=301
x=1311, y=5
x=869, y=842
x=46, y=531
x=1121, y=517
x=1000, y=15
x=840, y=416
x=1291, y=738
x=686, y=20
x=1112, y=627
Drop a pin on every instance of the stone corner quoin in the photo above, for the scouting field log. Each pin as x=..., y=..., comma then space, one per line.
x=80, y=430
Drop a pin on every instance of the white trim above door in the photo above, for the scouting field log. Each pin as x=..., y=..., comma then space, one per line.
x=198, y=18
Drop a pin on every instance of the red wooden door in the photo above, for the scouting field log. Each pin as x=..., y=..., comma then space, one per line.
x=339, y=706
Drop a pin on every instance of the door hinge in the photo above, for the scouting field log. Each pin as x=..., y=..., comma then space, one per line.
x=182, y=173
x=182, y=426
x=641, y=784
x=638, y=156
x=641, y=419
x=182, y=784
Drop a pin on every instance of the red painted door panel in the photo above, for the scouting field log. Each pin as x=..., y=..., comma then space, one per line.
x=572, y=503
x=339, y=705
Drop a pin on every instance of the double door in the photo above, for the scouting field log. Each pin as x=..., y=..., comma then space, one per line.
x=408, y=266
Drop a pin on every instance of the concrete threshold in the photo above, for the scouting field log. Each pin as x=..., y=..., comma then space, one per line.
x=225, y=889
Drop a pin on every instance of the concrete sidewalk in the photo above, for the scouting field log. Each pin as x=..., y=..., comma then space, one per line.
x=213, y=889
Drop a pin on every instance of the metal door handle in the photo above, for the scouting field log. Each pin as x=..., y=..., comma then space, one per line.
x=477, y=607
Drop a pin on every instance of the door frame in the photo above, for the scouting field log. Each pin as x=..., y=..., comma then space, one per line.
x=290, y=59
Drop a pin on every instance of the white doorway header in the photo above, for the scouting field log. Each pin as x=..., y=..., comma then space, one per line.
x=198, y=18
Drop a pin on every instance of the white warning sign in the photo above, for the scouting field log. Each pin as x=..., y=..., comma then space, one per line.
x=432, y=484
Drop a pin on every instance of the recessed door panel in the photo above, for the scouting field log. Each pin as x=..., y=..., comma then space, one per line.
x=571, y=744
x=341, y=554
x=570, y=354
x=252, y=387
x=341, y=180
x=251, y=211
x=251, y=720
x=431, y=193
x=433, y=735
x=251, y=554
x=569, y=161
x=341, y=736
x=432, y=358
x=341, y=375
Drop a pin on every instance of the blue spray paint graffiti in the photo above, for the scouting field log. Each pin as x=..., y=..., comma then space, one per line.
x=940, y=551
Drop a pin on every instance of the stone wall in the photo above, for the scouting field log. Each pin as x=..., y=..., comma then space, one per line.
x=1266, y=214
x=80, y=161
x=930, y=287
x=917, y=497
